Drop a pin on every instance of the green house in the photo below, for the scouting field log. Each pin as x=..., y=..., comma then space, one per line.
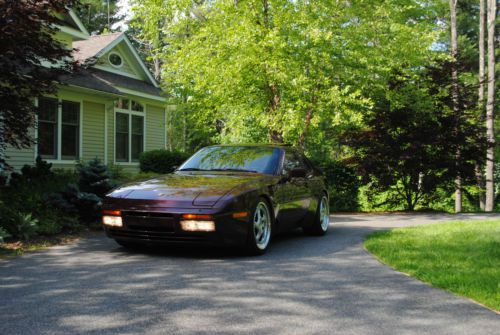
x=113, y=109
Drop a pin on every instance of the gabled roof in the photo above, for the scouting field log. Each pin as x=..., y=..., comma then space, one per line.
x=73, y=26
x=98, y=45
x=76, y=21
x=91, y=47
x=108, y=82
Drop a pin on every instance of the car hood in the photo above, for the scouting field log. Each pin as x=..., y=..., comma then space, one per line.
x=185, y=189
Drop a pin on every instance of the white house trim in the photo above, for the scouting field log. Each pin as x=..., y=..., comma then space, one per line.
x=77, y=21
x=117, y=71
x=140, y=94
x=73, y=32
x=130, y=113
x=141, y=63
x=58, y=160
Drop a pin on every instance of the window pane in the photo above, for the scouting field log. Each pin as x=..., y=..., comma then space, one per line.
x=70, y=112
x=137, y=106
x=122, y=133
x=47, y=139
x=121, y=147
x=137, y=141
x=137, y=125
x=47, y=109
x=122, y=103
x=121, y=123
x=69, y=144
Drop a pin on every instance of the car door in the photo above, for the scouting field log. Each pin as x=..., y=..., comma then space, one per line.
x=293, y=192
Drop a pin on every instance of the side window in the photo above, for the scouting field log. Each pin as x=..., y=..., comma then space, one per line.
x=292, y=161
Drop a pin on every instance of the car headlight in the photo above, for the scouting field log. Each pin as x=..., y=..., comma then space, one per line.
x=112, y=221
x=197, y=225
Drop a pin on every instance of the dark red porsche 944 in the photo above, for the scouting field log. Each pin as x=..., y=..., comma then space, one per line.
x=239, y=195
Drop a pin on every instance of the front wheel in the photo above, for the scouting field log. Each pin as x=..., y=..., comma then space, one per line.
x=322, y=220
x=259, y=235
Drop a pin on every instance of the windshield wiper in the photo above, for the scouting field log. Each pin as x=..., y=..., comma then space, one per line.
x=235, y=170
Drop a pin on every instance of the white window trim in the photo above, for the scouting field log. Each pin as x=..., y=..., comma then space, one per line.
x=129, y=112
x=58, y=160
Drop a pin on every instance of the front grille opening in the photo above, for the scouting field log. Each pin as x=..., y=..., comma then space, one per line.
x=148, y=214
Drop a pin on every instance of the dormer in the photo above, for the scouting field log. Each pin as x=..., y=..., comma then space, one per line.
x=71, y=29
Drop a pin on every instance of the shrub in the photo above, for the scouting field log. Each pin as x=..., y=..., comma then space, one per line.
x=95, y=178
x=3, y=235
x=343, y=186
x=37, y=174
x=85, y=199
x=161, y=160
x=26, y=226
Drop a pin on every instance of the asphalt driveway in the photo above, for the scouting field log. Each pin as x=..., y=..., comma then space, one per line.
x=304, y=285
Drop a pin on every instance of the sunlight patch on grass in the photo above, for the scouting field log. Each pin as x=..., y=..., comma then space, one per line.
x=462, y=257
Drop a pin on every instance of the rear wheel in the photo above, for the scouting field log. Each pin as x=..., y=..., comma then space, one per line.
x=322, y=220
x=259, y=235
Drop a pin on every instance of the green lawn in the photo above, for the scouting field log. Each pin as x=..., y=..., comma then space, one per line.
x=461, y=257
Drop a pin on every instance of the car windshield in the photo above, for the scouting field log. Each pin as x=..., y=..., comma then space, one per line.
x=234, y=158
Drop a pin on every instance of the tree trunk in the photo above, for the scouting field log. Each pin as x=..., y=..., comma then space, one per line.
x=454, y=98
x=490, y=110
x=480, y=103
x=307, y=122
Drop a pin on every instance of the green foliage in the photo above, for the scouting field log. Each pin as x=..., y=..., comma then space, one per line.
x=3, y=234
x=255, y=71
x=161, y=161
x=25, y=226
x=407, y=149
x=27, y=194
x=94, y=178
x=343, y=186
x=280, y=70
x=94, y=15
x=85, y=199
x=462, y=257
x=39, y=173
x=23, y=67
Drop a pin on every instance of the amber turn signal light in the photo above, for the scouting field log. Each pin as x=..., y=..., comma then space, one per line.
x=239, y=215
x=111, y=212
x=197, y=216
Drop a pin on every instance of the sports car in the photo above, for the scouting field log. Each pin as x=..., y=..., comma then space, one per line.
x=237, y=195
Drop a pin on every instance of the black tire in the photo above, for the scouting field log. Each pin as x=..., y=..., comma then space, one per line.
x=258, y=240
x=319, y=227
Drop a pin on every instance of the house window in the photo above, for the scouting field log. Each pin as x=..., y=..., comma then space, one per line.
x=115, y=59
x=58, y=129
x=129, y=130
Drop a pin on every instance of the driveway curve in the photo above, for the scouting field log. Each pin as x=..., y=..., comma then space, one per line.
x=304, y=285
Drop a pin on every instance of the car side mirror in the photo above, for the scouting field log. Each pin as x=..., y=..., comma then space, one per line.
x=297, y=173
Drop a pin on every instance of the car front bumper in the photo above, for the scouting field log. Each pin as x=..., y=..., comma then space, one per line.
x=163, y=227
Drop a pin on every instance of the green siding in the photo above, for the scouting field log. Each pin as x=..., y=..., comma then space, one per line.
x=155, y=127
x=17, y=158
x=111, y=135
x=93, y=131
x=96, y=116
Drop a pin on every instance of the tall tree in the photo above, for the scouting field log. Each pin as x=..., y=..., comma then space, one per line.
x=281, y=70
x=31, y=61
x=99, y=16
x=490, y=109
x=455, y=97
x=480, y=104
